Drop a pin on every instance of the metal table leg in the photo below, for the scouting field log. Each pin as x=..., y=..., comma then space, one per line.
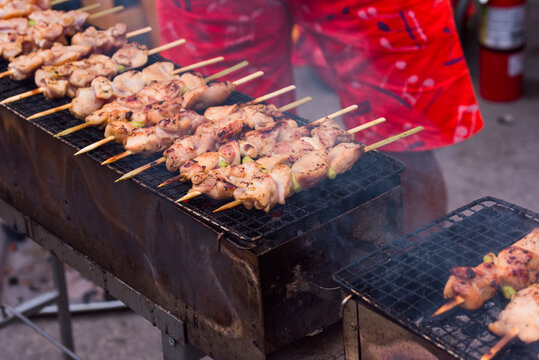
x=64, y=316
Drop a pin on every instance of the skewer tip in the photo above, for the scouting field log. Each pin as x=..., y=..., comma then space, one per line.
x=513, y=333
x=230, y=205
x=456, y=301
x=188, y=196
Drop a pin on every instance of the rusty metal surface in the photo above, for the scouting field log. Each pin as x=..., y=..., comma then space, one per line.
x=235, y=303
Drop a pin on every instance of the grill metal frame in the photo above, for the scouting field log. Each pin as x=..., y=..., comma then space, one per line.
x=246, y=228
x=404, y=280
x=238, y=297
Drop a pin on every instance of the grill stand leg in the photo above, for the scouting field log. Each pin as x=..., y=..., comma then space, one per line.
x=175, y=350
x=352, y=341
x=64, y=316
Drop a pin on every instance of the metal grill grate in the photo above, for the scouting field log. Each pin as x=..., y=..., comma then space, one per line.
x=374, y=174
x=405, y=279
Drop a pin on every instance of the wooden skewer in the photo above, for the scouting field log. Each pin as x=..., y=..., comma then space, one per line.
x=189, y=195
x=166, y=46
x=513, y=333
x=331, y=116
x=128, y=153
x=456, y=301
x=50, y=111
x=376, y=145
x=170, y=181
x=198, y=64
x=24, y=95
x=138, y=32
x=40, y=90
x=66, y=106
x=117, y=157
x=66, y=131
x=227, y=71
x=95, y=145
x=163, y=159
x=366, y=125
x=57, y=2
x=127, y=36
x=73, y=129
x=135, y=172
x=227, y=206
x=89, y=7
x=295, y=104
x=106, y=12
x=393, y=138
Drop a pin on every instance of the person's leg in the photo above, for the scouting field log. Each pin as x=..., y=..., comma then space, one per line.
x=257, y=31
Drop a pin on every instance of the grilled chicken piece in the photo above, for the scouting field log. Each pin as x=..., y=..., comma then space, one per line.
x=201, y=98
x=282, y=177
x=16, y=25
x=51, y=25
x=76, y=74
x=515, y=266
x=215, y=113
x=20, y=8
x=342, y=157
x=217, y=184
x=12, y=44
x=124, y=107
x=230, y=153
x=152, y=139
x=120, y=130
x=310, y=169
x=474, y=285
x=522, y=312
x=102, y=41
x=24, y=66
x=131, y=55
x=329, y=133
x=103, y=90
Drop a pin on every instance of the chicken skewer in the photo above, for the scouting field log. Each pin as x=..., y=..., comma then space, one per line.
x=58, y=81
x=155, y=139
x=197, y=99
x=82, y=44
x=262, y=118
x=515, y=268
x=43, y=28
x=201, y=165
x=114, y=137
x=103, y=90
x=519, y=318
x=283, y=137
x=303, y=174
x=155, y=96
x=16, y=9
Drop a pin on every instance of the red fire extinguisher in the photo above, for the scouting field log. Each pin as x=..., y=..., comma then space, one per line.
x=501, y=49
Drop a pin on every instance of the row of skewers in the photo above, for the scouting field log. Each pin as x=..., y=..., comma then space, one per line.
x=514, y=272
x=155, y=110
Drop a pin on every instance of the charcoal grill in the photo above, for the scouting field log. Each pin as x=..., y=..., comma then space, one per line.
x=244, y=282
x=404, y=280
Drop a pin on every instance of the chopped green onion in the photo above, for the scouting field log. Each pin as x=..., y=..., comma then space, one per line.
x=263, y=169
x=223, y=163
x=31, y=22
x=246, y=159
x=508, y=292
x=137, y=124
x=332, y=174
x=297, y=186
x=121, y=68
x=490, y=258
